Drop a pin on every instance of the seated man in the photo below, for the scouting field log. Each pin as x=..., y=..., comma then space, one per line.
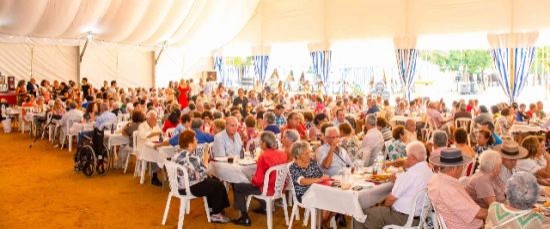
x=449, y=197
x=228, y=142
x=150, y=131
x=269, y=118
x=72, y=114
x=373, y=142
x=330, y=156
x=105, y=119
x=399, y=202
x=410, y=129
x=270, y=157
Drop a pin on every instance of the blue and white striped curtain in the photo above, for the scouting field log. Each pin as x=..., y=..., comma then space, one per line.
x=513, y=66
x=406, y=66
x=260, y=68
x=321, y=61
x=218, y=66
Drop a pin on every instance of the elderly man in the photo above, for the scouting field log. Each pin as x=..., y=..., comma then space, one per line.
x=228, y=142
x=72, y=114
x=269, y=118
x=149, y=131
x=330, y=156
x=270, y=157
x=410, y=129
x=294, y=123
x=440, y=140
x=510, y=151
x=449, y=197
x=436, y=117
x=373, y=142
x=289, y=138
x=105, y=119
x=399, y=202
x=340, y=117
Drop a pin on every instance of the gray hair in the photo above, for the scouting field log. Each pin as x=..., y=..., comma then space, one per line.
x=269, y=117
x=522, y=190
x=270, y=140
x=371, y=119
x=440, y=138
x=417, y=149
x=298, y=148
x=151, y=113
x=196, y=123
x=489, y=160
x=292, y=135
x=331, y=128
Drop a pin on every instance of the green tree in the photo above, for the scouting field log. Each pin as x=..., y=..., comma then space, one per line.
x=469, y=61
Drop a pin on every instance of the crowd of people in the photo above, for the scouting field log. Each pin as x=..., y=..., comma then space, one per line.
x=474, y=175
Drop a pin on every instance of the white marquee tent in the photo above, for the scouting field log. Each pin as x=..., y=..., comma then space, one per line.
x=45, y=38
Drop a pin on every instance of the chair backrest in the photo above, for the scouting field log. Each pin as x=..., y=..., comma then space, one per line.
x=177, y=177
x=465, y=123
x=427, y=207
x=469, y=169
x=69, y=125
x=123, y=117
x=291, y=185
x=170, y=132
x=280, y=179
x=135, y=141
x=440, y=221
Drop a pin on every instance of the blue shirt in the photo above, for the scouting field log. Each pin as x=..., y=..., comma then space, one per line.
x=203, y=137
x=225, y=146
x=106, y=117
x=373, y=110
x=280, y=120
x=497, y=138
x=273, y=128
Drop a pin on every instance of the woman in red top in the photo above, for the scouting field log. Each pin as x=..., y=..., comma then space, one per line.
x=183, y=90
x=172, y=121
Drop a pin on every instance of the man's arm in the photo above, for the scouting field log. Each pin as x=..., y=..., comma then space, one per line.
x=390, y=199
x=481, y=214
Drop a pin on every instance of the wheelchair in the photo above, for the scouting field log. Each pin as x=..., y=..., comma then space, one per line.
x=93, y=155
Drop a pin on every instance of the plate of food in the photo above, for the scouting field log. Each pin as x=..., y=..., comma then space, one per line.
x=379, y=178
x=224, y=159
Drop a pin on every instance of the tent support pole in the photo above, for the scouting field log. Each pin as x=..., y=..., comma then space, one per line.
x=84, y=50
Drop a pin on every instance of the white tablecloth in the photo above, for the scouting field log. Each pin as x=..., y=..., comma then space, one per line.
x=346, y=202
x=232, y=172
x=116, y=139
x=402, y=119
x=524, y=128
x=147, y=153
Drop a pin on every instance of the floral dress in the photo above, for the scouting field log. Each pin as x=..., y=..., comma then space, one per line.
x=296, y=172
x=195, y=168
x=396, y=150
x=352, y=147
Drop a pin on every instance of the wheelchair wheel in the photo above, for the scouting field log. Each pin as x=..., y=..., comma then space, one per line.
x=87, y=160
x=103, y=161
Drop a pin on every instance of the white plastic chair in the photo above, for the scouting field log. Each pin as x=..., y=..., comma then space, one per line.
x=440, y=222
x=22, y=118
x=297, y=205
x=70, y=133
x=170, y=132
x=426, y=210
x=280, y=178
x=135, y=150
x=172, y=170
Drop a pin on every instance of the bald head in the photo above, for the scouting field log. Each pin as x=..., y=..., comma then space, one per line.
x=231, y=125
x=410, y=125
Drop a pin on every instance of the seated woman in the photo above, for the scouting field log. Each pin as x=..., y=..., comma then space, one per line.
x=384, y=127
x=537, y=161
x=485, y=186
x=396, y=149
x=305, y=171
x=484, y=141
x=128, y=130
x=315, y=129
x=250, y=132
x=172, y=121
x=461, y=142
x=522, y=193
x=349, y=141
x=200, y=184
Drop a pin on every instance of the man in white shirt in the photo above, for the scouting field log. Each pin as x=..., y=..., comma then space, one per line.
x=410, y=129
x=330, y=157
x=228, y=142
x=72, y=114
x=340, y=117
x=148, y=131
x=373, y=142
x=399, y=202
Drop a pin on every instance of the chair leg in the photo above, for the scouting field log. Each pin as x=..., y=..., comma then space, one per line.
x=285, y=210
x=206, y=208
x=333, y=223
x=293, y=215
x=70, y=143
x=188, y=208
x=183, y=206
x=166, y=209
x=142, y=172
x=126, y=163
x=306, y=217
x=269, y=206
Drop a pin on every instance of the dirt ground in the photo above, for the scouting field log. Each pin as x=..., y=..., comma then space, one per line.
x=38, y=188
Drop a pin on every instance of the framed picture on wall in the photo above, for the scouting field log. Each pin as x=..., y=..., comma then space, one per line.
x=211, y=76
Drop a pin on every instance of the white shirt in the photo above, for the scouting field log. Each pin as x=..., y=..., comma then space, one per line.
x=505, y=174
x=531, y=165
x=373, y=142
x=224, y=146
x=72, y=114
x=408, y=184
x=145, y=130
x=339, y=161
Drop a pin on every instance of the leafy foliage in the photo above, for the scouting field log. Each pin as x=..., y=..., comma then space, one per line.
x=471, y=61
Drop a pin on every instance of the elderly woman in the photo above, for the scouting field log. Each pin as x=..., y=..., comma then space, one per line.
x=315, y=129
x=289, y=138
x=305, y=171
x=484, y=141
x=505, y=122
x=349, y=141
x=485, y=186
x=537, y=160
x=396, y=149
x=199, y=183
x=384, y=127
x=522, y=193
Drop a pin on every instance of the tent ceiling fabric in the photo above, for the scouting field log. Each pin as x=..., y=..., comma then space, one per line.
x=210, y=23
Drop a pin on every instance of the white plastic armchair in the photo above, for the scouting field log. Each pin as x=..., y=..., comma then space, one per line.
x=70, y=132
x=176, y=173
x=280, y=179
x=295, y=208
x=426, y=210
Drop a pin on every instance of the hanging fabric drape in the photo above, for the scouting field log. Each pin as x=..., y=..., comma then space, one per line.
x=260, y=68
x=321, y=61
x=406, y=66
x=512, y=56
x=218, y=67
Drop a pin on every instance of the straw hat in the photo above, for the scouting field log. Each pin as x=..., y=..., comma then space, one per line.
x=511, y=150
x=450, y=157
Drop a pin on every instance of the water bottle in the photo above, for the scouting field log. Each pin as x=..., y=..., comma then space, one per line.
x=378, y=164
x=241, y=155
x=112, y=128
x=252, y=149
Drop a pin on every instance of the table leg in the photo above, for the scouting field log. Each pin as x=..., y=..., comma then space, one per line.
x=314, y=218
x=142, y=171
